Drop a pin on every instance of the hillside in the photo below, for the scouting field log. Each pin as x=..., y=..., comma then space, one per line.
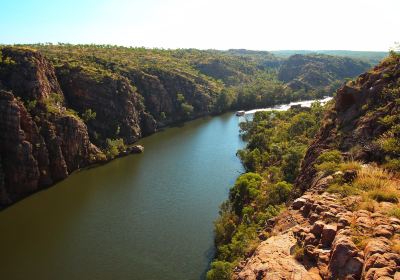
x=70, y=106
x=311, y=71
x=336, y=214
x=366, y=56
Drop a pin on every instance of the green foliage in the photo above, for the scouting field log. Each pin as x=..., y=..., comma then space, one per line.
x=279, y=139
x=88, y=115
x=30, y=104
x=276, y=145
x=54, y=103
x=114, y=147
x=163, y=116
x=330, y=156
x=329, y=161
x=344, y=190
x=384, y=195
x=180, y=97
x=220, y=271
x=392, y=164
x=226, y=79
x=279, y=192
x=187, y=108
x=395, y=212
x=246, y=188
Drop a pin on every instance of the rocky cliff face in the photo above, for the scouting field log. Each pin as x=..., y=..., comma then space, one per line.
x=355, y=120
x=44, y=140
x=350, y=233
x=117, y=105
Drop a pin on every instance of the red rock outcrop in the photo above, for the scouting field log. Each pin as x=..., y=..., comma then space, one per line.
x=38, y=146
x=336, y=240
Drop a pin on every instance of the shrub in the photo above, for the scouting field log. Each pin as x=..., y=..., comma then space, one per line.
x=384, y=195
x=360, y=241
x=279, y=192
x=350, y=165
x=330, y=156
x=187, y=108
x=344, y=190
x=372, y=178
x=220, y=271
x=246, y=188
x=88, y=115
x=114, y=147
x=327, y=167
x=298, y=253
x=392, y=164
x=368, y=204
x=328, y=162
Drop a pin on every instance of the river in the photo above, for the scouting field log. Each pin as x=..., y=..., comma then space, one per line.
x=146, y=216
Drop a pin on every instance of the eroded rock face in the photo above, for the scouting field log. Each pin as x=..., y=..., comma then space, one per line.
x=20, y=167
x=33, y=158
x=353, y=120
x=273, y=259
x=113, y=99
x=41, y=145
x=28, y=74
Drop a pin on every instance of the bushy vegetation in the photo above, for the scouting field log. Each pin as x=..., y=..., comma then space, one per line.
x=277, y=141
x=114, y=147
x=276, y=145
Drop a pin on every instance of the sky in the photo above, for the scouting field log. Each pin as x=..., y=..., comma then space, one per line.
x=205, y=24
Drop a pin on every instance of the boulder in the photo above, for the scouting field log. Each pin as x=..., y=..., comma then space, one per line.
x=298, y=203
x=136, y=149
x=346, y=260
x=328, y=235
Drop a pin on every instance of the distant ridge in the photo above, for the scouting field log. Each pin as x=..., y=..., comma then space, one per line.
x=372, y=57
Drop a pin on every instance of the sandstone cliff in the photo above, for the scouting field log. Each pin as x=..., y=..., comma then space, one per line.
x=343, y=224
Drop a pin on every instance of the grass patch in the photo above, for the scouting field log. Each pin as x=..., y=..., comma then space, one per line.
x=344, y=190
x=373, y=178
x=327, y=167
x=384, y=195
x=350, y=165
x=396, y=246
x=298, y=253
x=360, y=241
x=368, y=204
x=395, y=212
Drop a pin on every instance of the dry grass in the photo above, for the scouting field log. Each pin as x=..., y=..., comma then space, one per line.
x=395, y=211
x=384, y=195
x=371, y=178
x=368, y=204
x=344, y=190
x=396, y=246
x=360, y=241
x=350, y=165
x=298, y=253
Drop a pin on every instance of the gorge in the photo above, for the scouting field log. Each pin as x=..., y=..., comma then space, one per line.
x=66, y=108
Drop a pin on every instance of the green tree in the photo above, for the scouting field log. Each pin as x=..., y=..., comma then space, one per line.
x=220, y=271
x=88, y=115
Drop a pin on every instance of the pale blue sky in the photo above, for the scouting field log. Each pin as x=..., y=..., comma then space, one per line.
x=217, y=24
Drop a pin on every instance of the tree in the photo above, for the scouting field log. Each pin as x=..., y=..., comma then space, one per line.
x=88, y=115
